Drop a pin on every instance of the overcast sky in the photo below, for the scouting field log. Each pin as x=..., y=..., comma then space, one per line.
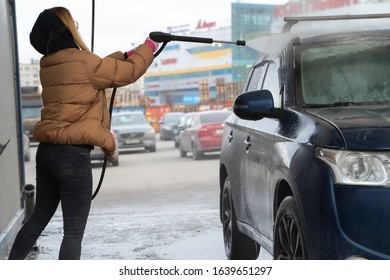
x=121, y=23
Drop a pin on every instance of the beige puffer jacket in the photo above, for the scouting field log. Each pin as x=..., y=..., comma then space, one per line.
x=75, y=108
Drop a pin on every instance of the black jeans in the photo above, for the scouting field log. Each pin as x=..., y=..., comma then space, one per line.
x=64, y=173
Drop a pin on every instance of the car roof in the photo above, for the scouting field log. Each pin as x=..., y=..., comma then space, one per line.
x=322, y=29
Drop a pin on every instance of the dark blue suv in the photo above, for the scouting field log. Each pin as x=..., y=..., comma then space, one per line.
x=305, y=159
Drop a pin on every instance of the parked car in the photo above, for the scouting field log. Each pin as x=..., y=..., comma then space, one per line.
x=203, y=134
x=26, y=148
x=168, y=124
x=304, y=164
x=97, y=153
x=133, y=130
x=184, y=121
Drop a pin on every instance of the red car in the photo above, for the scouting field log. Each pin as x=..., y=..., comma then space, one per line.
x=203, y=134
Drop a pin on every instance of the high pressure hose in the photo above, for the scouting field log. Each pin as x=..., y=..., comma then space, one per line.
x=163, y=38
x=110, y=113
x=105, y=155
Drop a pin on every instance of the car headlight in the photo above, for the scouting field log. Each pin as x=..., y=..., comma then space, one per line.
x=357, y=168
x=150, y=133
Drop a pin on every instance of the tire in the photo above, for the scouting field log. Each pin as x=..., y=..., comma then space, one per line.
x=289, y=242
x=237, y=245
x=27, y=156
x=182, y=153
x=115, y=162
x=196, y=155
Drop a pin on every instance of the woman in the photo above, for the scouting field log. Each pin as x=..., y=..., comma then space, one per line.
x=74, y=119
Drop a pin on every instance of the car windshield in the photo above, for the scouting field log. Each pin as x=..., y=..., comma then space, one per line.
x=131, y=119
x=346, y=73
x=214, y=117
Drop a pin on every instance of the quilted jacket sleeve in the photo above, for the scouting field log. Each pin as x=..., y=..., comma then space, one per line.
x=111, y=72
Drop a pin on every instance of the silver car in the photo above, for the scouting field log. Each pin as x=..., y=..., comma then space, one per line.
x=98, y=155
x=133, y=130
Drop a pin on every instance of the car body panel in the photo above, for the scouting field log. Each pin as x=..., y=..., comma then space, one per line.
x=26, y=147
x=184, y=121
x=363, y=127
x=97, y=153
x=204, y=134
x=168, y=124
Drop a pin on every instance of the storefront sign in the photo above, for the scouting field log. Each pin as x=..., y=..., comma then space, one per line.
x=168, y=61
x=310, y=6
x=204, y=24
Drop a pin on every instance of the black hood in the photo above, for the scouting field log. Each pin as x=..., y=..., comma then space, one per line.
x=49, y=34
x=363, y=127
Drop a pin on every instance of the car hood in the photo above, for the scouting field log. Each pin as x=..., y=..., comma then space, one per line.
x=363, y=127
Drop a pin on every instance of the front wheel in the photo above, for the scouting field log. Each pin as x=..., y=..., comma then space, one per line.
x=289, y=243
x=237, y=245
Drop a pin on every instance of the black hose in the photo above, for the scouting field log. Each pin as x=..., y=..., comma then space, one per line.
x=93, y=26
x=163, y=38
x=110, y=113
x=105, y=155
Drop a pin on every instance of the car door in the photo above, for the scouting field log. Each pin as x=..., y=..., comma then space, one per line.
x=260, y=165
x=186, y=134
x=236, y=135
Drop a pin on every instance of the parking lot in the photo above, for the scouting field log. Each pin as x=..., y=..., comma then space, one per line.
x=151, y=206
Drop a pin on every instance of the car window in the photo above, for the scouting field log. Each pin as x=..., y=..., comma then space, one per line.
x=189, y=121
x=272, y=83
x=128, y=119
x=343, y=73
x=256, y=77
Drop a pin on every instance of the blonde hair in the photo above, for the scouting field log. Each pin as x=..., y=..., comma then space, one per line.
x=70, y=24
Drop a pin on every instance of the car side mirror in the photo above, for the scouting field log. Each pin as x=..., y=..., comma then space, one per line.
x=254, y=105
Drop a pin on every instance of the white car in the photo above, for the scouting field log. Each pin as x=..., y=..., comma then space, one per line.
x=98, y=155
x=133, y=130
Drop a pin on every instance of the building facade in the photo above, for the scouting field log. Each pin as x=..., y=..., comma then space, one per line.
x=29, y=74
x=187, y=75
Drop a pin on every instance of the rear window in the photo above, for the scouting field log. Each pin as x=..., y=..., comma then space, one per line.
x=214, y=117
x=350, y=72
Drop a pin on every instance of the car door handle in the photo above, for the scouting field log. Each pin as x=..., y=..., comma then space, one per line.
x=247, y=143
x=230, y=136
